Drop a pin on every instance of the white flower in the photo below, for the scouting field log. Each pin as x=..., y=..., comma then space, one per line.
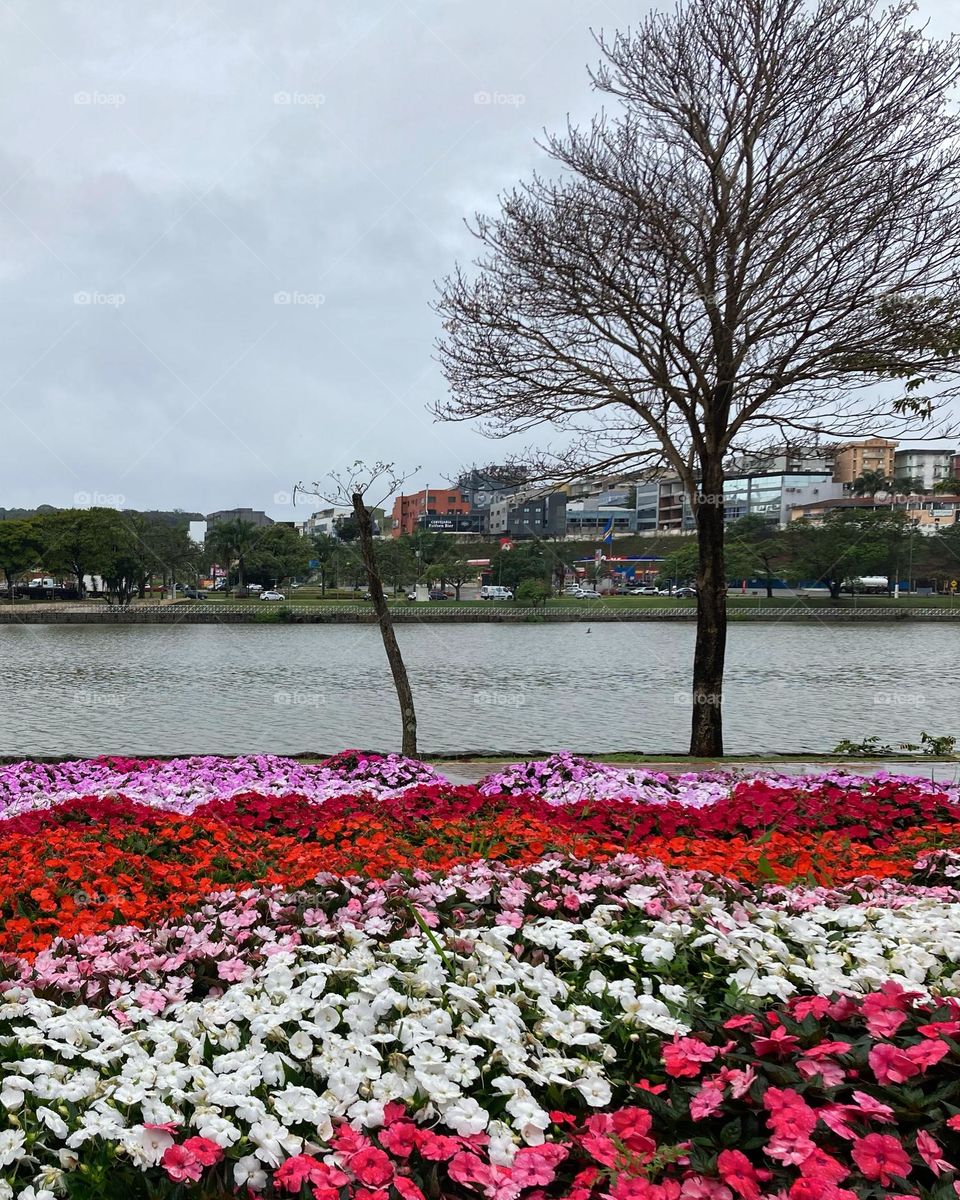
x=248, y=1172
x=12, y=1142
x=466, y=1117
x=300, y=1045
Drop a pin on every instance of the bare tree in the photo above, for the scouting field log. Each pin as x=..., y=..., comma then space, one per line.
x=353, y=488
x=768, y=224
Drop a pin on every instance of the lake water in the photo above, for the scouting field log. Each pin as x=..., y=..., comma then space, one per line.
x=284, y=689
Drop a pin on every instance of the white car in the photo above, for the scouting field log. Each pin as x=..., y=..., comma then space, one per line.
x=272, y=595
x=646, y=590
x=587, y=594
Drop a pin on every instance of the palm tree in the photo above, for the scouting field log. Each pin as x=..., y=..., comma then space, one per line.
x=869, y=482
x=230, y=542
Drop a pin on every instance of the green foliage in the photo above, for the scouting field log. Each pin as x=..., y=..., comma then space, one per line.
x=279, y=554
x=20, y=547
x=532, y=592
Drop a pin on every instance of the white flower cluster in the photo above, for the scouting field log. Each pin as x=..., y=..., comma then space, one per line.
x=471, y=1026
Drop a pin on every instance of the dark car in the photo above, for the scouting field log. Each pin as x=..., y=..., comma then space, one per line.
x=686, y=593
x=438, y=594
x=192, y=593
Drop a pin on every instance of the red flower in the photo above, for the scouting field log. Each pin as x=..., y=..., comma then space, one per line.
x=181, y=1165
x=932, y=1153
x=685, y=1056
x=738, y=1173
x=372, y=1167
x=204, y=1150
x=881, y=1157
x=891, y=1065
x=779, y=1043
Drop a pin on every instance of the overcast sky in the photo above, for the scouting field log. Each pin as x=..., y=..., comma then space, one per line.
x=169, y=173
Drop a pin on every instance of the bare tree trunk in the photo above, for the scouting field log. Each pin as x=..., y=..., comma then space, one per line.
x=706, y=736
x=401, y=682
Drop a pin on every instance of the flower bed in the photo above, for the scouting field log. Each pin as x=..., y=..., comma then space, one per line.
x=356, y=979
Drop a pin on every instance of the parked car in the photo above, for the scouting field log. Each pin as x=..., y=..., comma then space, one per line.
x=491, y=591
x=192, y=593
x=254, y=587
x=647, y=590
x=686, y=593
x=272, y=595
x=587, y=594
x=438, y=594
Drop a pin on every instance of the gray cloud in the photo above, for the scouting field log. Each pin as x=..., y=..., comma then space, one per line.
x=169, y=174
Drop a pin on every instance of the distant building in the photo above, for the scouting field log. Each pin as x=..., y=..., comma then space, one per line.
x=251, y=516
x=771, y=495
x=929, y=465
x=457, y=522
x=528, y=514
x=325, y=520
x=930, y=513
x=589, y=517
x=852, y=459
x=431, y=502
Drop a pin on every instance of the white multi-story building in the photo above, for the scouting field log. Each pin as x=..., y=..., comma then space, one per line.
x=928, y=465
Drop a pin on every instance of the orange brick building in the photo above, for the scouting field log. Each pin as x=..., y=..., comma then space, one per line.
x=431, y=502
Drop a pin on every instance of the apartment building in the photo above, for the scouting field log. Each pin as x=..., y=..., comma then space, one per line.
x=852, y=459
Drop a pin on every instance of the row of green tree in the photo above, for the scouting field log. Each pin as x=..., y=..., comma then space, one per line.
x=849, y=544
x=130, y=551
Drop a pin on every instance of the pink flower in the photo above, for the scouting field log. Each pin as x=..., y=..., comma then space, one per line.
x=700, y=1187
x=790, y=1151
x=632, y=1127
x=372, y=1167
x=436, y=1146
x=400, y=1138
x=738, y=1173
x=953, y=1122
x=823, y=1166
x=600, y=1148
x=885, y=1023
x=707, y=1101
x=891, y=1065
x=881, y=1157
x=233, y=969
x=932, y=1153
x=926, y=1054
x=407, y=1188
x=778, y=1043
x=180, y=1165
x=867, y=1106
x=204, y=1150
x=301, y=1168
x=831, y=1073
x=536, y=1166
x=685, y=1056
x=466, y=1169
